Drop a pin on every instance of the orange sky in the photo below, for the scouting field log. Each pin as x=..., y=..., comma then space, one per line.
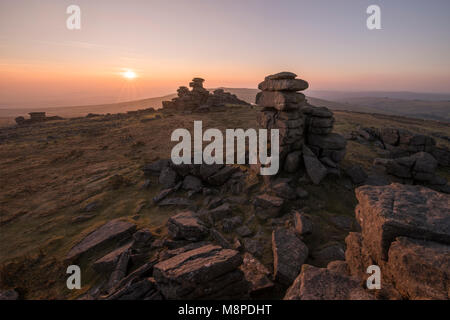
x=229, y=43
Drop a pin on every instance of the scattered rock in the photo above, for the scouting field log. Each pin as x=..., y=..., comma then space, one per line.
x=168, y=177
x=192, y=183
x=303, y=224
x=185, y=225
x=256, y=274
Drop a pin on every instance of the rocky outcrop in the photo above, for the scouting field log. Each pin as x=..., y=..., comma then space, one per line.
x=201, y=100
x=402, y=143
x=208, y=272
x=419, y=168
x=405, y=230
x=300, y=126
x=35, y=117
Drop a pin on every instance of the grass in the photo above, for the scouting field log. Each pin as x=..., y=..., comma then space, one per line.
x=51, y=171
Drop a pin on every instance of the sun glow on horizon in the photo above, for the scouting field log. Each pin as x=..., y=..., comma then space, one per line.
x=129, y=74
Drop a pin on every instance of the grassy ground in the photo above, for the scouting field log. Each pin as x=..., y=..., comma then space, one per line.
x=51, y=171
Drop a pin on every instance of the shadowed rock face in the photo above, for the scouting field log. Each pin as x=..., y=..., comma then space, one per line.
x=110, y=232
x=289, y=254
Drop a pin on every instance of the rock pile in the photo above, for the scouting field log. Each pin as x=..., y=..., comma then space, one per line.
x=418, y=168
x=199, y=99
x=194, y=178
x=305, y=131
x=402, y=143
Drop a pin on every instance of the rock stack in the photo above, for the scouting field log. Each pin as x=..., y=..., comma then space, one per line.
x=304, y=129
x=282, y=109
x=199, y=99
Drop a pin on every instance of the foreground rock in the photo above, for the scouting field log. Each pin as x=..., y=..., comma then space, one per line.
x=386, y=212
x=289, y=254
x=324, y=284
x=208, y=272
x=406, y=232
x=110, y=233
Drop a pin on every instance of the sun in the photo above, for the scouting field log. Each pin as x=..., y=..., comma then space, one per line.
x=129, y=74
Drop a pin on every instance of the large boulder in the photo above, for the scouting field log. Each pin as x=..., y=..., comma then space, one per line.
x=289, y=254
x=208, y=272
x=109, y=234
x=387, y=212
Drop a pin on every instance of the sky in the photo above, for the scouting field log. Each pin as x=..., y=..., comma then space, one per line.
x=230, y=43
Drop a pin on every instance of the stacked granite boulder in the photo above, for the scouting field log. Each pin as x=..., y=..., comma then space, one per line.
x=305, y=131
x=282, y=106
x=199, y=99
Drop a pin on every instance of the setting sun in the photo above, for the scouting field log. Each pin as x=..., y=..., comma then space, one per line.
x=129, y=74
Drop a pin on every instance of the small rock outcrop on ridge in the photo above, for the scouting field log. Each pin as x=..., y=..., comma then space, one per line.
x=201, y=100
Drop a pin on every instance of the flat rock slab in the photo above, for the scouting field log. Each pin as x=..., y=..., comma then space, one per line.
x=421, y=269
x=387, y=212
x=111, y=232
x=185, y=225
x=283, y=85
x=207, y=272
x=324, y=284
x=289, y=254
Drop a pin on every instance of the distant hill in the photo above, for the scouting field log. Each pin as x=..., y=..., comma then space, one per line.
x=429, y=109
x=403, y=95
